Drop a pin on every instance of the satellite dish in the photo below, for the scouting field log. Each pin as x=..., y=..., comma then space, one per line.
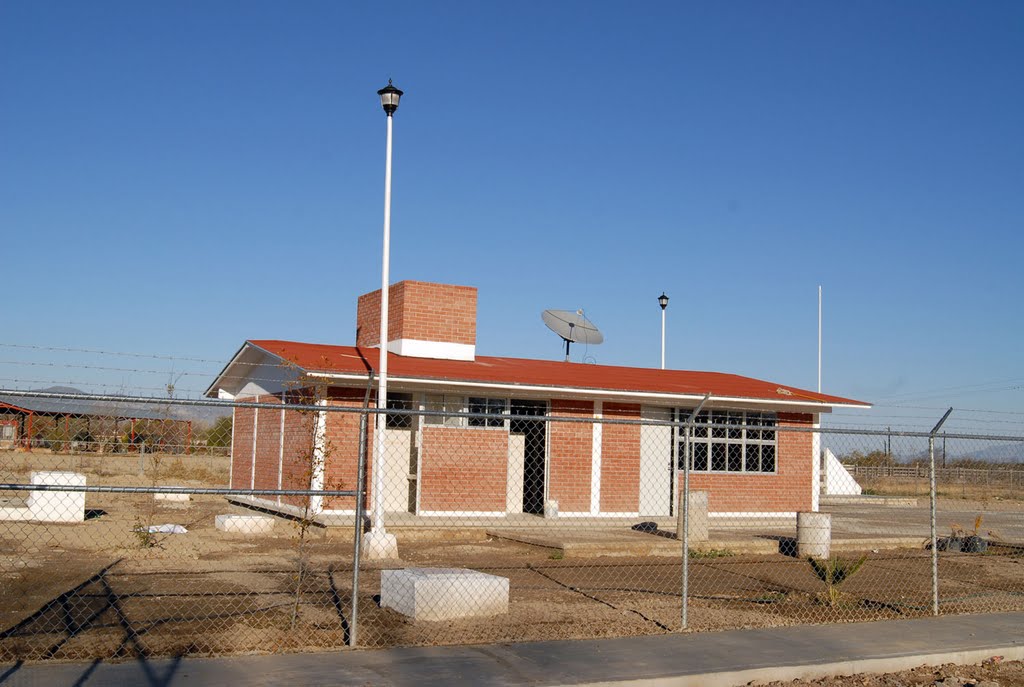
x=573, y=327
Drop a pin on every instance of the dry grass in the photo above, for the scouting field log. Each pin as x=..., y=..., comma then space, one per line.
x=898, y=486
x=120, y=468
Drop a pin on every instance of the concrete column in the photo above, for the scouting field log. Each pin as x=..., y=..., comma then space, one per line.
x=813, y=535
x=699, y=523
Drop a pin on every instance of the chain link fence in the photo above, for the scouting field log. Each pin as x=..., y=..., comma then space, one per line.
x=154, y=527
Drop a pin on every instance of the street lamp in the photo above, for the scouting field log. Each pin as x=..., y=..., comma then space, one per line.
x=663, y=302
x=378, y=543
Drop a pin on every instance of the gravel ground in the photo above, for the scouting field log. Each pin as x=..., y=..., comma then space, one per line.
x=993, y=672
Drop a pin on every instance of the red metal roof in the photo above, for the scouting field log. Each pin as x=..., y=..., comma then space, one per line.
x=557, y=374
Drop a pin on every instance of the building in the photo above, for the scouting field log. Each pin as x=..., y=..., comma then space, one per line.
x=535, y=441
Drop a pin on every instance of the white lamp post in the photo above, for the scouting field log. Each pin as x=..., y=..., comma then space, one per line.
x=377, y=542
x=663, y=302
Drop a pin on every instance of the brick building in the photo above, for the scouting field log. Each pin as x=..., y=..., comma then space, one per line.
x=529, y=438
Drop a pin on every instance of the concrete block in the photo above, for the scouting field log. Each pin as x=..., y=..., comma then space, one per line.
x=698, y=524
x=443, y=593
x=15, y=513
x=57, y=506
x=551, y=508
x=244, y=524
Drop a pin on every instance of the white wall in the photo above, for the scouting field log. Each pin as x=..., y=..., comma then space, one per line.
x=838, y=480
x=516, y=466
x=655, y=463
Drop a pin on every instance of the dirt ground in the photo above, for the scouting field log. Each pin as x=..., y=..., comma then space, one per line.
x=100, y=589
x=993, y=672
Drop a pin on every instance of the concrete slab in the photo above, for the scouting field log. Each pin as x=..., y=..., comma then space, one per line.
x=443, y=593
x=711, y=659
x=593, y=542
x=867, y=500
x=625, y=542
x=173, y=498
x=251, y=525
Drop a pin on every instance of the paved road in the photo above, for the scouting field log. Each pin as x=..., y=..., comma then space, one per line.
x=707, y=659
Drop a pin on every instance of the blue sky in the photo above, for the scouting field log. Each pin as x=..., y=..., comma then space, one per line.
x=178, y=177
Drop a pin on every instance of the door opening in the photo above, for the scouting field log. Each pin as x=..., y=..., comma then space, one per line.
x=527, y=420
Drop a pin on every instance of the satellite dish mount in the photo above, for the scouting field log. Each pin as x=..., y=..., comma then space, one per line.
x=572, y=327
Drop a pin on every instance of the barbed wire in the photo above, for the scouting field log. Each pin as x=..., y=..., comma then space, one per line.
x=156, y=356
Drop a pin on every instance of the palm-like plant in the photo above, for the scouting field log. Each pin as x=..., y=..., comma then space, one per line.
x=833, y=572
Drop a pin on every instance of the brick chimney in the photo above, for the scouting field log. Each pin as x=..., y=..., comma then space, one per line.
x=425, y=320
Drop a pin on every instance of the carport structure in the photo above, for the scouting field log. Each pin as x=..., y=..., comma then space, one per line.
x=69, y=422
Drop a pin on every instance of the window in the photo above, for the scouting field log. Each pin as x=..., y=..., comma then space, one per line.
x=443, y=403
x=487, y=406
x=399, y=402
x=730, y=441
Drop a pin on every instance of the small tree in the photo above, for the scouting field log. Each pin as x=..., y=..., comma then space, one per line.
x=833, y=572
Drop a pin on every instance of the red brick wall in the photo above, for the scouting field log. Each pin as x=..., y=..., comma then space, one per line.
x=419, y=310
x=570, y=454
x=241, y=448
x=789, y=489
x=620, y=460
x=342, y=448
x=463, y=469
x=298, y=444
x=297, y=459
x=268, y=446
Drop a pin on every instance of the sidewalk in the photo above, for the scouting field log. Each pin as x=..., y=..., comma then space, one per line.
x=706, y=659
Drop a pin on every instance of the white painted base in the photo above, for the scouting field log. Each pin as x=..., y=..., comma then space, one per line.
x=244, y=524
x=443, y=593
x=378, y=545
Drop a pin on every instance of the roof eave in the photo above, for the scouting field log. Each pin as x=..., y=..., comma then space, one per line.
x=589, y=391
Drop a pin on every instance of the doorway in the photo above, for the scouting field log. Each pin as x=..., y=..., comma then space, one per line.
x=527, y=421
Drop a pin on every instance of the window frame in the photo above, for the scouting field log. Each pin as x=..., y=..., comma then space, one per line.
x=727, y=439
x=445, y=403
x=489, y=406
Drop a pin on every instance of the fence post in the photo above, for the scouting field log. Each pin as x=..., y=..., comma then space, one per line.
x=686, y=524
x=935, y=549
x=686, y=510
x=353, y=632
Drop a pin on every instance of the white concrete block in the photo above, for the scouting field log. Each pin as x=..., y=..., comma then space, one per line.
x=443, y=593
x=15, y=513
x=244, y=524
x=551, y=508
x=57, y=506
